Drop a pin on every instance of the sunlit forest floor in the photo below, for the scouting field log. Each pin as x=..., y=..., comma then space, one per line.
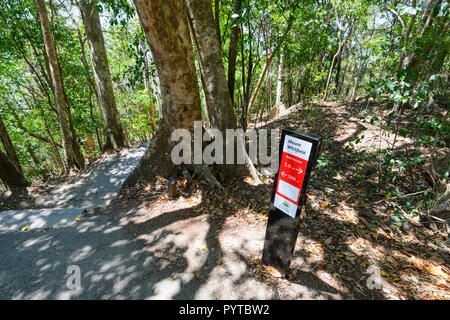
x=212, y=241
x=348, y=224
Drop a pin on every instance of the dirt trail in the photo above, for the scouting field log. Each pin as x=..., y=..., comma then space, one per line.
x=207, y=244
x=61, y=204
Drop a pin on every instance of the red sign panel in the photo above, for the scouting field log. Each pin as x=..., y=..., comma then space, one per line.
x=291, y=174
x=292, y=171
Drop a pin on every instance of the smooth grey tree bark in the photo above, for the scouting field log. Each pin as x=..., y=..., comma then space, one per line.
x=115, y=138
x=72, y=152
x=279, y=80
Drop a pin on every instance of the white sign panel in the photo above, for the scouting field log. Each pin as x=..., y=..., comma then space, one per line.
x=297, y=147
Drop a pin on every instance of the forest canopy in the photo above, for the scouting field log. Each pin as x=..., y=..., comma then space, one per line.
x=79, y=78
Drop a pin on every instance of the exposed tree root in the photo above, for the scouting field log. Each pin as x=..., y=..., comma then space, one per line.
x=204, y=171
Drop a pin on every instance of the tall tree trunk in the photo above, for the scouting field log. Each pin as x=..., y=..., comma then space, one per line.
x=220, y=107
x=218, y=98
x=341, y=83
x=233, y=47
x=217, y=19
x=151, y=110
x=269, y=86
x=337, y=54
x=10, y=175
x=248, y=80
x=9, y=147
x=421, y=52
x=405, y=35
x=338, y=74
x=269, y=58
x=85, y=63
x=71, y=148
x=280, y=80
x=330, y=73
x=114, y=132
x=258, y=85
x=289, y=85
x=44, y=172
x=148, y=87
x=165, y=25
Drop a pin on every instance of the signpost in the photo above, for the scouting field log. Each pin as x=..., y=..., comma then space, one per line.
x=298, y=154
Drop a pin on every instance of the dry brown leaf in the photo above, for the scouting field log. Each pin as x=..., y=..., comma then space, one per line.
x=417, y=262
x=273, y=272
x=325, y=204
x=436, y=271
x=219, y=259
x=442, y=285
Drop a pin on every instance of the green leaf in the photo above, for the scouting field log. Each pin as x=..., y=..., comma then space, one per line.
x=402, y=132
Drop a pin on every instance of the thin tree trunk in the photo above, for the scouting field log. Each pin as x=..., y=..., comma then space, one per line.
x=91, y=114
x=10, y=175
x=151, y=110
x=244, y=94
x=218, y=98
x=85, y=64
x=155, y=84
x=343, y=77
x=280, y=80
x=69, y=145
x=148, y=87
x=114, y=132
x=233, y=47
x=336, y=55
x=289, y=85
x=41, y=172
x=258, y=85
x=217, y=19
x=9, y=147
x=333, y=64
x=248, y=80
x=417, y=56
x=269, y=86
x=53, y=144
x=268, y=61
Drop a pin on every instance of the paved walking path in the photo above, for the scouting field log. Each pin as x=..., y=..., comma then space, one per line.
x=96, y=187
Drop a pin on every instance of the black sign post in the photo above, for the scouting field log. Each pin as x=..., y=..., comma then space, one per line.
x=298, y=155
